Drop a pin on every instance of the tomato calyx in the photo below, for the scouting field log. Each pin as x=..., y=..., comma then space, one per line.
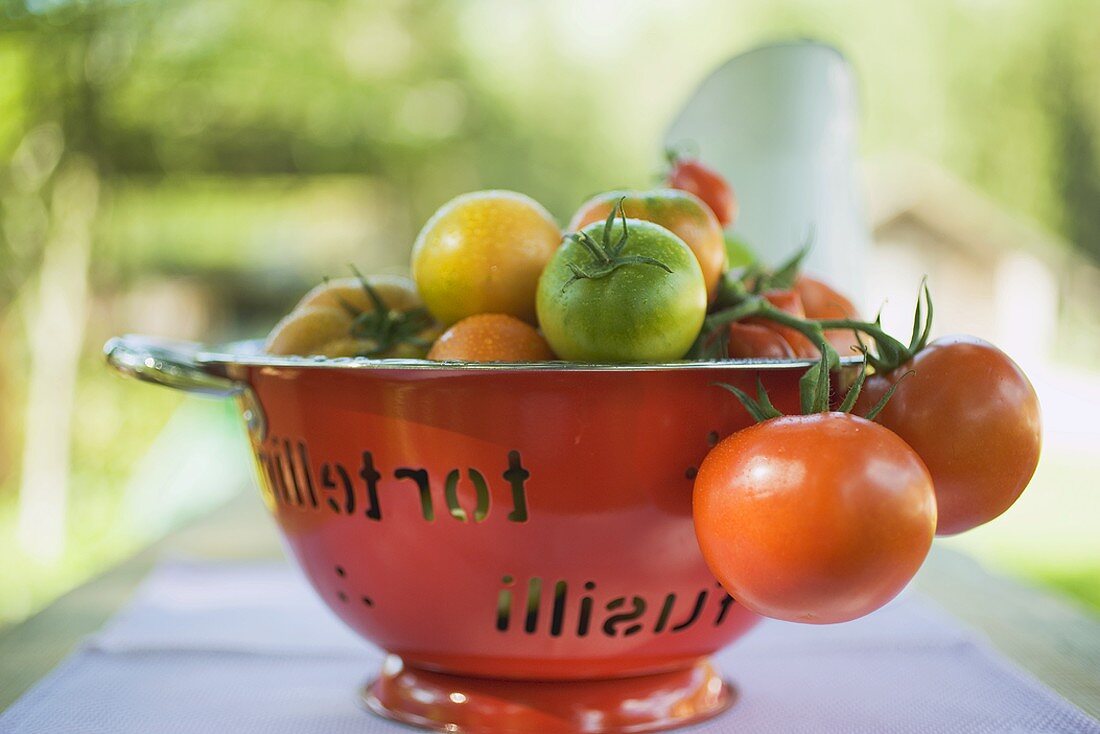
x=755, y=279
x=815, y=385
x=685, y=150
x=740, y=284
x=741, y=296
x=607, y=257
x=813, y=389
x=890, y=353
x=384, y=328
x=754, y=305
x=815, y=393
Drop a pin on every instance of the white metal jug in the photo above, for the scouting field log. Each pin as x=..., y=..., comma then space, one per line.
x=780, y=122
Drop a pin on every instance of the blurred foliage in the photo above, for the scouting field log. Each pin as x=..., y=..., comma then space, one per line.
x=245, y=148
x=113, y=437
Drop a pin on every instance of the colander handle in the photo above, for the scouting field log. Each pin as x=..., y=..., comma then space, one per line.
x=169, y=363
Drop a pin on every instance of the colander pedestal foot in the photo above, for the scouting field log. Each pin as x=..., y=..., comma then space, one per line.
x=454, y=703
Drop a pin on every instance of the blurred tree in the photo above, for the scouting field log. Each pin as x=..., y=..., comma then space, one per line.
x=56, y=165
x=247, y=147
x=1076, y=156
x=199, y=107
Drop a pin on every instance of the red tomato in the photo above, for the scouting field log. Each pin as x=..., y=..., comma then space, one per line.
x=708, y=185
x=821, y=301
x=818, y=518
x=788, y=302
x=973, y=417
x=755, y=341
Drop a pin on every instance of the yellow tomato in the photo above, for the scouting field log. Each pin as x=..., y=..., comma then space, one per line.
x=483, y=253
x=396, y=291
x=339, y=318
x=314, y=330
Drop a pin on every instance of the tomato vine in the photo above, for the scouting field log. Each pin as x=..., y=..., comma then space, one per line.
x=383, y=327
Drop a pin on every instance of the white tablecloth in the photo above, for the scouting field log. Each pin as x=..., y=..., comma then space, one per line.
x=247, y=648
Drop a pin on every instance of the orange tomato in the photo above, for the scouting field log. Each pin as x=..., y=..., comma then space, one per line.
x=789, y=302
x=680, y=212
x=756, y=341
x=822, y=301
x=491, y=337
x=973, y=417
x=814, y=518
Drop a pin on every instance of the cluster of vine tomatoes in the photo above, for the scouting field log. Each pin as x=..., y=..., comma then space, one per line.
x=818, y=517
x=825, y=516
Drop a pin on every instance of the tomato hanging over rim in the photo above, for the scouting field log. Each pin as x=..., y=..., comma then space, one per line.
x=816, y=518
x=973, y=416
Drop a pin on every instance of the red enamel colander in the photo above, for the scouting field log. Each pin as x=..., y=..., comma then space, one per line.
x=517, y=537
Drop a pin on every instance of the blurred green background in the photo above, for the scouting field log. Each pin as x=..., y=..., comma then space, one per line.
x=189, y=167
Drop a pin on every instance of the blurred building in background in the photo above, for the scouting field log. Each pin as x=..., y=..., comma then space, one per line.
x=189, y=167
x=995, y=273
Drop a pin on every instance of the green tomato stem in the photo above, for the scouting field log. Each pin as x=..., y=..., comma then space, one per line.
x=761, y=307
x=608, y=257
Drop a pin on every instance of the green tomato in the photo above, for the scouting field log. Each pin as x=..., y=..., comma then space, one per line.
x=738, y=250
x=607, y=296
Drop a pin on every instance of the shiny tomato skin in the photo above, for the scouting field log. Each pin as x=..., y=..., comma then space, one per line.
x=708, y=185
x=680, y=212
x=322, y=322
x=822, y=301
x=314, y=330
x=396, y=291
x=491, y=337
x=819, y=519
x=755, y=341
x=788, y=302
x=637, y=313
x=973, y=416
x=483, y=252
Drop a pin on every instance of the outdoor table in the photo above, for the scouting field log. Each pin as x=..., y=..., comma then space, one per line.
x=1049, y=639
